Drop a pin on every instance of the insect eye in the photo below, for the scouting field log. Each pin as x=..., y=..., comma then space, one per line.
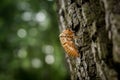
x=69, y=30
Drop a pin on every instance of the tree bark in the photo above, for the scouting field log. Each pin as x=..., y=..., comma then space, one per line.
x=97, y=24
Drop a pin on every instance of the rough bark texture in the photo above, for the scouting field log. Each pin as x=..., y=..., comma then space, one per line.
x=97, y=23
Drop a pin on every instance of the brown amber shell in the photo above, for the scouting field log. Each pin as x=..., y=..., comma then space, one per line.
x=66, y=39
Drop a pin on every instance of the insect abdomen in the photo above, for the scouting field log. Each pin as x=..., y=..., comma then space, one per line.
x=71, y=50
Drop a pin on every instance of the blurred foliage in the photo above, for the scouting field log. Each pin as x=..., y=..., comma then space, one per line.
x=29, y=43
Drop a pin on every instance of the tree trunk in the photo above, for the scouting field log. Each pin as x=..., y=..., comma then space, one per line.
x=97, y=24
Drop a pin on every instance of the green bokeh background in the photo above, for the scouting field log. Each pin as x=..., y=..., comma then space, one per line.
x=29, y=42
